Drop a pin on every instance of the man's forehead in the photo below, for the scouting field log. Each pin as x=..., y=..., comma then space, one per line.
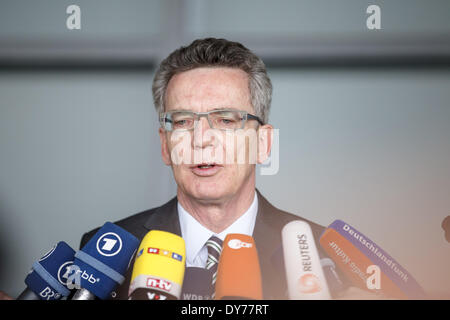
x=205, y=89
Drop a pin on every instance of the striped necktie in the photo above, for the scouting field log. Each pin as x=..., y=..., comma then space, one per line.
x=214, y=246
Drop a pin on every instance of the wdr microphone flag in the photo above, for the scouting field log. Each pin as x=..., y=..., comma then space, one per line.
x=354, y=253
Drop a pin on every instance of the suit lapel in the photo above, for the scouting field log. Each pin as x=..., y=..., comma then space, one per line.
x=267, y=236
x=165, y=218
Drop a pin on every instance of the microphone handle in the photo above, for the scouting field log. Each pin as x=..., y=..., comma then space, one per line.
x=83, y=294
x=27, y=294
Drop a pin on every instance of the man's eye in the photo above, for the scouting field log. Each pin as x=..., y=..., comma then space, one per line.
x=227, y=121
x=182, y=122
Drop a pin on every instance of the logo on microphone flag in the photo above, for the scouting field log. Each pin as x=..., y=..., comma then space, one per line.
x=165, y=253
x=309, y=283
x=109, y=244
x=238, y=244
x=176, y=256
x=153, y=250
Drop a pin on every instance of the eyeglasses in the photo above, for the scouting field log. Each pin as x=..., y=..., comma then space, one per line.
x=223, y=119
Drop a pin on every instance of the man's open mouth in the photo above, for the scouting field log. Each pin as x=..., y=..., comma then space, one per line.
x=205, y=166
x=205, y=169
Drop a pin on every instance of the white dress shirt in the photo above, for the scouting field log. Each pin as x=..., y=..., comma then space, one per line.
x=195, y=235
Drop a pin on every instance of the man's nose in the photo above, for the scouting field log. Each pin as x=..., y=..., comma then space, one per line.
x=200, y=139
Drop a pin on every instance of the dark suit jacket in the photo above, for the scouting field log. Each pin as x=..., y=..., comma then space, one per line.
x=267, y=236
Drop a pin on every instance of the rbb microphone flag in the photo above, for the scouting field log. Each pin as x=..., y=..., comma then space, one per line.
x=197, y=284
x=158, y=270
x=47, y=279
x=102, y=262
x=354, y=253
x=238, y=273
x=305, y=277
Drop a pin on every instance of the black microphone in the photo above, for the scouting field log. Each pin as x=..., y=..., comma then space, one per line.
x=335, y=284
x=197, y=284
x=446, y=226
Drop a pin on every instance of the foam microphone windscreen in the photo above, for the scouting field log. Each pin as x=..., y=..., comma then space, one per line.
x=359, y=258
x=103, y=261
x=304, y=274
x=238, y=273
x=158, y=270
x=48, y=276
x=197, y=284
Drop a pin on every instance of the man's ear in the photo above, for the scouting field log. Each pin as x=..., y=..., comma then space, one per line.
x=165, y=151
x=265, y=140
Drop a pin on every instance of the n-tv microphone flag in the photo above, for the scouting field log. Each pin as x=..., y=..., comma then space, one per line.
x=239, y=273
x=353, y=253
x=158, y=270
x=305, y=277
x=102, y=262
x=47, y=279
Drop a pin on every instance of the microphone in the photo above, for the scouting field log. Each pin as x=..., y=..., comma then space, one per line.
x=238, y=273
x=100, y=265
x=359, y=258
x=335, y=284
x=159, y=267
x=47, y=280
x=446, y=226
x=304, y=274
x=197, y=284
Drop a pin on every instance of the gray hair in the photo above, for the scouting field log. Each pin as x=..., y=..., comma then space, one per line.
x=211, y=52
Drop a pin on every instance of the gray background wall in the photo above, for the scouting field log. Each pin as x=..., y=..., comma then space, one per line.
x=363, y=116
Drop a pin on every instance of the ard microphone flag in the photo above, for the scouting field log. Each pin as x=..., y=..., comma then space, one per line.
x=47, y=279
x=158, y=270
x=305, y=277
x=238, y=273
x=100, y=265
x=359, y=258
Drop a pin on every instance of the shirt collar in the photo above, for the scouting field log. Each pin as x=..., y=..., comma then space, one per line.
x=195, y=235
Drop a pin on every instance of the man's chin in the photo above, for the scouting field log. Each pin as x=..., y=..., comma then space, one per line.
x=207, y=194
x=210, y=196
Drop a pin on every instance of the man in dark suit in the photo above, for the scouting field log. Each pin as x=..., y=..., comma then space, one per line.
x=213, y=99
x=206, y=95
x=267, y=236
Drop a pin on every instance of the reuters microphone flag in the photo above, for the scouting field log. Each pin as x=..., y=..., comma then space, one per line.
x=238, y=274
x=159, y=267
x=304, y=274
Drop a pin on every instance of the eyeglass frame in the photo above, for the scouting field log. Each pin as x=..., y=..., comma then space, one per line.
x=245, y=116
